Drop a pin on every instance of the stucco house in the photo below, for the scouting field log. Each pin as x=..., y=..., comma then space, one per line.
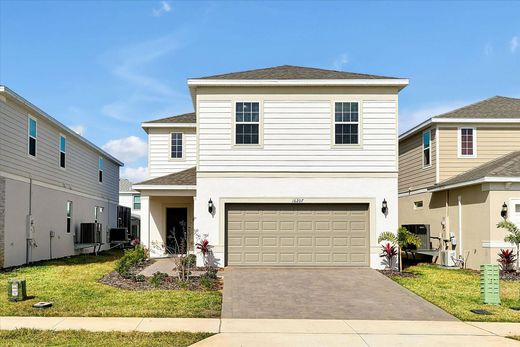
x=51, y=181
x=282, y=166
x=459, y=175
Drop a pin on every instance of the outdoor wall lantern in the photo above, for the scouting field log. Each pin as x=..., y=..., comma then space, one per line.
x=384, y=208
x=211, y=207
x=503, y=213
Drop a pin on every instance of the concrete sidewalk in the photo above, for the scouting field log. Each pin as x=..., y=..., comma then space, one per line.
x=293, y=332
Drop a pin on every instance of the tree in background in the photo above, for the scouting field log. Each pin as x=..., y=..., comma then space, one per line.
x=402, y=239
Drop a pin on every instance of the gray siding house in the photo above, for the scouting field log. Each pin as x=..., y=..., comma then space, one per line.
x=51, y=181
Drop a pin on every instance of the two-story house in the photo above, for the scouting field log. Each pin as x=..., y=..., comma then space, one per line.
x=51, y=181
x=283, y=166
x=459, y=175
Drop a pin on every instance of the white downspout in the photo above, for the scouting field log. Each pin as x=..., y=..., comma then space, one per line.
x=460, y=225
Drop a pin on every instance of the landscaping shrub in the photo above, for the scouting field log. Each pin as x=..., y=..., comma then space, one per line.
x=211, y=272
x=389, y=252
x=506, y=258
x=130, y=259
x=157, y=279
x=140, y=278
x=206, y=282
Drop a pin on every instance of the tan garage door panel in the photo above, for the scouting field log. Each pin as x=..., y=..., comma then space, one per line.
x=298, y=234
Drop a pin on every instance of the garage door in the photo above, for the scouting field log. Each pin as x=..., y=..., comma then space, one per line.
x=297, y=234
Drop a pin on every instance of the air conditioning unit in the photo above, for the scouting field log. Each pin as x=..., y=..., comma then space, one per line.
x=118, y=234
x=89, y=233
x=447, y=258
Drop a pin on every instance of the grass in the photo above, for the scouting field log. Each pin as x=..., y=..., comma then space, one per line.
x=28, y=337
x=458, y=291
x=71, y=284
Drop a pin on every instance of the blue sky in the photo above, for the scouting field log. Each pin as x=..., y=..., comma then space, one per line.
x=103, y=67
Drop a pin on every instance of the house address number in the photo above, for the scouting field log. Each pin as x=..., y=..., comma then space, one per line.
x=297, y=201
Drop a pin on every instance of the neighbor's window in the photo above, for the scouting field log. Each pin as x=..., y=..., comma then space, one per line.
x=247, y=123
x=427, y=154
x=176, y=146
x=32, y=135
x=418, y=204
x=69, y=216
x=62, y=150
x=137, y=202
x=100, y=175
x=346, y=123
x=467, y=142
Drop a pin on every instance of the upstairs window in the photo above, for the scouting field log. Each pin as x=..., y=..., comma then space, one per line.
x=63, y=144
x=69, y=216
x=427, y=154
x=346, y=123
x=176, y=146
x=100, y=172
x=137, y=202
x=247, y=123
x=32, y=133
x=467, y=142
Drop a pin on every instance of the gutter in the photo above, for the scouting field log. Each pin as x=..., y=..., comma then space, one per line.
x=476, y=181
x=395, y=82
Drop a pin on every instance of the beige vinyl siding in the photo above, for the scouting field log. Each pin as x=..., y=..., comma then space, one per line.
x=492, y=142
x=160, y=163
x=81, y=173
x=412, y=174
x=297, y=132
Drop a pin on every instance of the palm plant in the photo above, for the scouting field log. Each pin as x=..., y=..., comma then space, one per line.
x=513, y=237
x=402, y=239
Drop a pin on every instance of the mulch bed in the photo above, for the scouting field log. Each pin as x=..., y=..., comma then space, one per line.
x=510, y=275
x=389, y=273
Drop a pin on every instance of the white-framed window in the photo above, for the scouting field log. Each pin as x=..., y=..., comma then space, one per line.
x=69, y=216
x=176, y=145
x=247, y=123
x=137, y=202
x=32, y=135
x=63, y=150
x=418, y=204
x=346, y=123
x=467, y=142
x=100, y=170
x=427, y=151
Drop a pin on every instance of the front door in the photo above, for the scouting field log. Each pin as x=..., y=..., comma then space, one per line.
x=176, y=230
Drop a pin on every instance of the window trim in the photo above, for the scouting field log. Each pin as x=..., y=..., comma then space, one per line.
x=69, y=217
x=100, y=170
x=424, y=166
x=459, y=143
x=359, y=122
x=260, y=143
x=133, y=202
x=60, y=151
x=183, y=157
x=415, y=207
x=35, y=156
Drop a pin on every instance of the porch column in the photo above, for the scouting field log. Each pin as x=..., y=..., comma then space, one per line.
x=145, y=221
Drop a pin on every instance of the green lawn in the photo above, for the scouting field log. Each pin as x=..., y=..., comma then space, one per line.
x=458, y=291
x=71, y=284
x=27, y=337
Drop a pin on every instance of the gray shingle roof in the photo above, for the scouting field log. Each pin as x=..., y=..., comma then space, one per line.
x=181, y=118
x=495, y=107
x=289, y=72
x=183, y=178
x=125, y=185
x=505, y=166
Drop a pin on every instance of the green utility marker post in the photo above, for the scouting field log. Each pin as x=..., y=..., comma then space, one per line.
x=490, y=284
x=16, y=290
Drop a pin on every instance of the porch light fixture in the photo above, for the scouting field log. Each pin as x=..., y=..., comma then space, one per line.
x=384, y=208
x=211, y=207
x=503, y=213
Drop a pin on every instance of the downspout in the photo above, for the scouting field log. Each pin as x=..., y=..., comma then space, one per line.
x=28, y=226
x=460, y=226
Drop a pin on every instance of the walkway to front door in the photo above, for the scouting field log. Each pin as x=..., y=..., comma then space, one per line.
x=321, y=294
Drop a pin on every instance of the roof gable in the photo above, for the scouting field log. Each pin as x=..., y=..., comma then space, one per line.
x=492, y=108
x=182, y=178
x=185, y=118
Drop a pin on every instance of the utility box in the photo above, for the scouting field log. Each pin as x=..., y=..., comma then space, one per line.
x=490, y=284
x=16, y=290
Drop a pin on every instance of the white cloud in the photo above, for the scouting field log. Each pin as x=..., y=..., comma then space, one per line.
x=408, y=118
x=164, y=7
x=128, y=149
x=134, y=174
x=488, y=49
x=340, y=61
x=513, y=44
x=79, y=129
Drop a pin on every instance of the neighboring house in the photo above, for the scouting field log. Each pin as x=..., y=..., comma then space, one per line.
x=458, y=171
x=131, y=198
x=51, y=180
x=284, y=166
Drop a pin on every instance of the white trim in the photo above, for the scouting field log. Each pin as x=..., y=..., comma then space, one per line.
x=183, y=156
x=260, y=123
x=163, y=187
x=397, y=82
x=496, y=244
x=168, y=125
x=459, y=143
x=412, y=192
x=424, y=166
x=477, y=181
x=295, y=174
x=415, y=129
x=359, y=123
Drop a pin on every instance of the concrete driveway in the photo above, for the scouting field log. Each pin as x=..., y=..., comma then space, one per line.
x=296, y=293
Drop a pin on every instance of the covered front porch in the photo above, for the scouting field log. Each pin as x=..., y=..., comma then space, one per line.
x=167, y=213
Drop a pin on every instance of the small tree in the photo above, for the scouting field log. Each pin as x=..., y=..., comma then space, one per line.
x=402, y=239
x=513, y=237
